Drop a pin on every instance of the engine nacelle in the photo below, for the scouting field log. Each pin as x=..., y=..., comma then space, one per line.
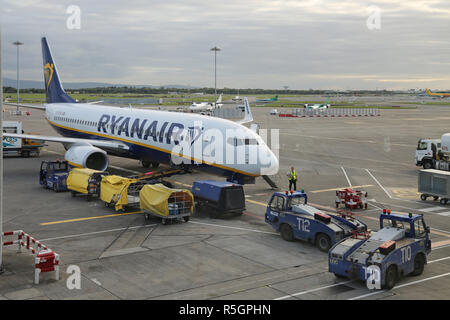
x=88, y=157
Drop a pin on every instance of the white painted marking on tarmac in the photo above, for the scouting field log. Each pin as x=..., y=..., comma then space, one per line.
x=388, y=194
x=96, y=282
x=400, y=286
x=346, y=177
x=229, y=227
x=432, y=209
x=437, y=260
x=312, y=290
x=96, y=232
x=445, y=214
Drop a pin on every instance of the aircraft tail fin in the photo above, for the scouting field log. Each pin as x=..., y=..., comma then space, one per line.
x=219, y=100
x=248, y=113
x=428, y=92
x=54, y=90
x=275, y=98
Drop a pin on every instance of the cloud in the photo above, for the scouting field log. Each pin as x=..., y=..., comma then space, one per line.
x=266, y=44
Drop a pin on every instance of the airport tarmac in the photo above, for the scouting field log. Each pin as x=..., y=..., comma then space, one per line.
x=123, y=256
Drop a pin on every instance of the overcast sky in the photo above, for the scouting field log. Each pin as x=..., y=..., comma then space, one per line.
x=265, y=44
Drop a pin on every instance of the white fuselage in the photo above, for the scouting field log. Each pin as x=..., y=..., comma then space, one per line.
x=209, y=141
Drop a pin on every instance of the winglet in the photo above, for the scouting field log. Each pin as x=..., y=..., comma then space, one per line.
x=248, y=113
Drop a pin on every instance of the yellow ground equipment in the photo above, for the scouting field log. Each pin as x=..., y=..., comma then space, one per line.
x=166, y=203
x=122, y=193
x=117, y=192
x=85, y=181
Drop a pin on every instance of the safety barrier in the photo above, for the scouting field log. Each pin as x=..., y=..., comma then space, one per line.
x=45, y=260
x=330, y=112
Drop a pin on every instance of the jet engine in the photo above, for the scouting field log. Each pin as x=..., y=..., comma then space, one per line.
x=87, y=156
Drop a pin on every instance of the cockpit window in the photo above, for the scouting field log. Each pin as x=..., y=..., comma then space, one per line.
x=234, y=141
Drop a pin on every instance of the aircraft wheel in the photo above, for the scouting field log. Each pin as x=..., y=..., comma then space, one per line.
x=286, y=232
x=155, y=165
x=145, y=163
x=323, y=242
x=419, y=264
x=423, y=197
x=391, y=277
x=443, y=201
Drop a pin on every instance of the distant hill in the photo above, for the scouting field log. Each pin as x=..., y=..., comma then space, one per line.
x=32, y=84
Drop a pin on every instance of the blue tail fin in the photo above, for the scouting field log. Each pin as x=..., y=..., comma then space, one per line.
x=53, y=89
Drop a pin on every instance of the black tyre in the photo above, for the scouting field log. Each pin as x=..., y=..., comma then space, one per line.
x=435, y=198
x=163, y=221
x=44, y=184
x=323, y=242
x=145, y=163
x=427, y=165
x=419, y=264
x=423, y=197
x=391, y=277
x=155, y=165
x=55, y=187
x=443, y=201
x=286, y=232
x=186, y=219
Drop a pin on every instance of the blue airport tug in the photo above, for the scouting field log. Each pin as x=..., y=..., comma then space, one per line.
x=53, y=175
x=399, y=248
x=289, y=214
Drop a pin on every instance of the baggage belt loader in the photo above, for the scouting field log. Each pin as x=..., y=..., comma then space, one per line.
x=289, y=214
x=399, y=248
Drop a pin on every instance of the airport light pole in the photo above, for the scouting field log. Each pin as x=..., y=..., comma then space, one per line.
x=17, y=43
x=215, y=49
x=1, y=158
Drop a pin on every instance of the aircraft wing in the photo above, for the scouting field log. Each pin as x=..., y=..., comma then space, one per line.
x=110, y=144
x=24, y=106
x=248, y=113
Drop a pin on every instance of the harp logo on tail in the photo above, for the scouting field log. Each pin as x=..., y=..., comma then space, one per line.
x=48, y=74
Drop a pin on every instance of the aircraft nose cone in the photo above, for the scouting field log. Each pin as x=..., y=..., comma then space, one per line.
x=273, y=165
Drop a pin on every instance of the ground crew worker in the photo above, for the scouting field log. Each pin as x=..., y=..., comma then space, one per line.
x=292, y=179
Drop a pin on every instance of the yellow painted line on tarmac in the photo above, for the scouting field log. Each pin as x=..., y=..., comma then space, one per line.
x=334, y=189
x=90, y=218
x=256, y=202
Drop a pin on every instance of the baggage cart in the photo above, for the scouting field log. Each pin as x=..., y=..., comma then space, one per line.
x=168, y=204
x=434, y=183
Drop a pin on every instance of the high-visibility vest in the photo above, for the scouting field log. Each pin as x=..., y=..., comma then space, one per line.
x=292, y=175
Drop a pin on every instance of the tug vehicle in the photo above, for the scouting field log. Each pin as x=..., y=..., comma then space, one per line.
x=289, y=214
x=399, y=248
x=53, y=175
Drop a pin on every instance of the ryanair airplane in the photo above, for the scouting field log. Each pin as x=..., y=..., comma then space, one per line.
x=91, y=132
